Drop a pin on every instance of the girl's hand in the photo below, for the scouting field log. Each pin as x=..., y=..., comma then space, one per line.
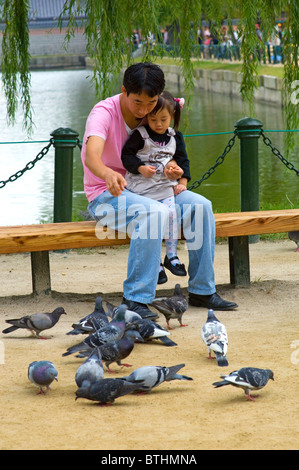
x=179, y=188
x=172, y=171
x=147, y=171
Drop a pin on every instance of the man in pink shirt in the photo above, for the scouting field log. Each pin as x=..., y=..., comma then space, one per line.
x=107, y=128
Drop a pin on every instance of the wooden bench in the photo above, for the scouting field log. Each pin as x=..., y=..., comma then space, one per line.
x=40, y=239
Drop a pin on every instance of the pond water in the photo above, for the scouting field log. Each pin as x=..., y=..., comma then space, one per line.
x=65, y=98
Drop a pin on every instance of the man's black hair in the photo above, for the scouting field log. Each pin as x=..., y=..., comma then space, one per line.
x=144, y=77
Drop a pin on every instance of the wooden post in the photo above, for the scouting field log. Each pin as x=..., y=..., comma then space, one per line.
x=239, y=265
x=40, y=269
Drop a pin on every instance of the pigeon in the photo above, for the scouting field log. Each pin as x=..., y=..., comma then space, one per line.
x=37, y=322
x=172, y=307
x=247, y=378
x=150, y=330
x=130, y=315
x=214, y=335
x=115, y=351
x=149, y=377
x=120, y=349
x=112, y=331
x=92, y=322
x=91, y=370
x=42, y=374
x=147, y=328
x=294, y=236
x=106, y=391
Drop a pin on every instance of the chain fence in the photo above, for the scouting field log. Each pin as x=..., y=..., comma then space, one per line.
x=31, y=164
x=219, y=160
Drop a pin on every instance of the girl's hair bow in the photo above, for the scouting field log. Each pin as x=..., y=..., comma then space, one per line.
x=181, y=101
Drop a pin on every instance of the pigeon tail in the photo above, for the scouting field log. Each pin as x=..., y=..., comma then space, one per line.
x=9, y=330
x=221, y=360
x=74, y=332
x=172, y=371
x=222, y=383
x=181, y=377
x=167, y=341
x=78, y=347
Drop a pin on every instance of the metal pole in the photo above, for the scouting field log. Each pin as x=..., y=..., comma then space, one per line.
x=248, y=130
x=64, y=143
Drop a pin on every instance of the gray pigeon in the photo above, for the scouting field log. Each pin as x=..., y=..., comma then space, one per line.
x=42, y=374
x=149, y=377
x=130, y=315
x=91, y=322
x=294, y=236
x=106, y=391
x=37, y=322
x=91, y=370
x=214, y=336
x=116, y=351
x=147, y=328
x=110, y=332
x=172, y=307
x=247, y=378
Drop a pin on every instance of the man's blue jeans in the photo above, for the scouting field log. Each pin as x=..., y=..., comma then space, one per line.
x=145, y=220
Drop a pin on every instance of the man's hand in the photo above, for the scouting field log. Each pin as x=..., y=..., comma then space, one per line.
x=115, y=182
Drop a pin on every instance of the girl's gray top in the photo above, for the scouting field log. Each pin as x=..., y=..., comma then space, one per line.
x=158, y=186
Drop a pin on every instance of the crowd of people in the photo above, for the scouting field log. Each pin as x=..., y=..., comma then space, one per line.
x=222, y=44
x=228, y=42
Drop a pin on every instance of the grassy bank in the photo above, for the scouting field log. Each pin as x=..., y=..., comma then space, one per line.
x=273, y=70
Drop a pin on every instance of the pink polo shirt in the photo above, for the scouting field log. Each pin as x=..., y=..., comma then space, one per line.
x=105, y=120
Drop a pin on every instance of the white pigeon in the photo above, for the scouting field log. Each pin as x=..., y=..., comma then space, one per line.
x=214, y=336
x=149, y=377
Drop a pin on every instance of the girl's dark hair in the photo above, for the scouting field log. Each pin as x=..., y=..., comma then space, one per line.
x=144, y=77
x=166, y=100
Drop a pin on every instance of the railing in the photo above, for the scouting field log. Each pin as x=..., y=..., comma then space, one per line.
x=248, y=131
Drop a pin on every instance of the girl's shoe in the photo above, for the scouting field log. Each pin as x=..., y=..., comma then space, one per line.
x=177, y=269
x=162, y=275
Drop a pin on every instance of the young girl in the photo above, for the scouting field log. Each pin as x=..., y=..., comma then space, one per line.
x=158, y=167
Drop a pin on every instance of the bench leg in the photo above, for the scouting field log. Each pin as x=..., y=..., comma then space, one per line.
x=239, y=261
x=40, y=269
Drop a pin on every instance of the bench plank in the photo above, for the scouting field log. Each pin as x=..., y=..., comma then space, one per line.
x=256, y=222
x=65, y=235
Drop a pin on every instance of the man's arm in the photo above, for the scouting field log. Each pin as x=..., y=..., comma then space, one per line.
x=114, y=180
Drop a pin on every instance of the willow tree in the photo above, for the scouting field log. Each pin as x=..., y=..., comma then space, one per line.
x=108, y=27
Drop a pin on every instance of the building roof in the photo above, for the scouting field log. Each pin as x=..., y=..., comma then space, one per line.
x=45, y=9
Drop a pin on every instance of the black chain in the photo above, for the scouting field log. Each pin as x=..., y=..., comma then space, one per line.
x=29, y=166
x=277, y=153
x=218, y=162
x=78, y=143
x=191, y=187
x=32, y=163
